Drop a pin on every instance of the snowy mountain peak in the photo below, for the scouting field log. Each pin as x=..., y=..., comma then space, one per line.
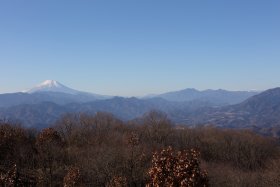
x=52, y=86
x=50, y=83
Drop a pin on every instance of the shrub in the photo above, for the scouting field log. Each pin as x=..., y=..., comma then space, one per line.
x=177, y=169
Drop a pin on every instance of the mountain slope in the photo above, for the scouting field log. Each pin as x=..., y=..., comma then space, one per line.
x=36, y=115
x=44, y=114
x=13, y=99
x=262, y=110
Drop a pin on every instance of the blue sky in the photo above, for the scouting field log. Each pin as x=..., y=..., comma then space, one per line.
x=140, y=47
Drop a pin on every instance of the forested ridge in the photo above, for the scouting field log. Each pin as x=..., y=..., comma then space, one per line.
x=101, y=150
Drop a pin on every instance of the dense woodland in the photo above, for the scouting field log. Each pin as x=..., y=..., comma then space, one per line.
x=101, y=150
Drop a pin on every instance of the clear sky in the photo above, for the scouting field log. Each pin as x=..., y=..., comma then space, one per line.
x=138, y=47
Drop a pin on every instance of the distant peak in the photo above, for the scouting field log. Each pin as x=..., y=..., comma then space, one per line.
x=50, y=83
x=52, y=86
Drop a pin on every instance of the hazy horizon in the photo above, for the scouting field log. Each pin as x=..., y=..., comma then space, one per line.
x=145, y=95
x=130, y=48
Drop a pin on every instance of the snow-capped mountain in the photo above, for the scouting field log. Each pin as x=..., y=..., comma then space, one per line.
x=52, y=86
x=49, y=91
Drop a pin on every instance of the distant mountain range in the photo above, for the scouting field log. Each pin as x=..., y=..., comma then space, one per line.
x=262, y=110
x=44, y=104
x=55, y=92
x=216, y=97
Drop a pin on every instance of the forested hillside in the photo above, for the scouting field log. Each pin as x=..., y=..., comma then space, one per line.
x=101, y=150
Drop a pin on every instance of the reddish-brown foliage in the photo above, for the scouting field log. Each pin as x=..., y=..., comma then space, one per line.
x=177, y=169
